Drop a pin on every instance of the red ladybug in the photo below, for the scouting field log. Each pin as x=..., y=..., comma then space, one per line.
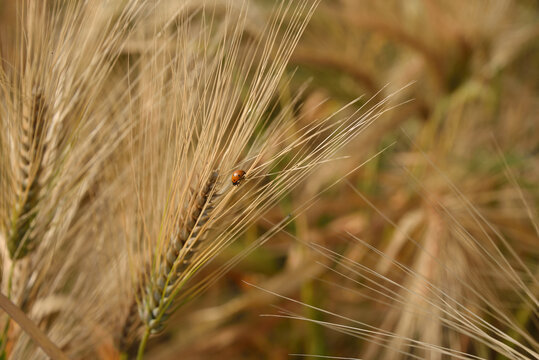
x=237, y=177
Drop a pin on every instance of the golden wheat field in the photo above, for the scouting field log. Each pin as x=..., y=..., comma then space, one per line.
x=269, y=179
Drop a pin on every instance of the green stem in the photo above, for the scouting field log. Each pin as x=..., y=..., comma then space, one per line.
x=142, y=345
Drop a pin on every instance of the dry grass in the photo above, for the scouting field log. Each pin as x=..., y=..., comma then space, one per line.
x=392, y=233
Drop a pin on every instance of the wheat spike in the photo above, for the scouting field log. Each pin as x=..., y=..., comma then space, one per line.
x=31, y=149
x=185, y=241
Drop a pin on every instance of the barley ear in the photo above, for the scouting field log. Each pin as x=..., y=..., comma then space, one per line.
x=185, y=241
x=20, y=239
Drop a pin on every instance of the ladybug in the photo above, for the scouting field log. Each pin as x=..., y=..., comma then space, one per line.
x=237, y=177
